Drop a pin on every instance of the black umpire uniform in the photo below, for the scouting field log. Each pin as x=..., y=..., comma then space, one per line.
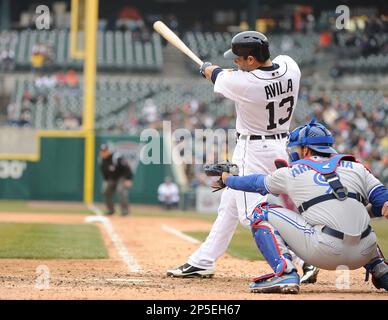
x=117, y=176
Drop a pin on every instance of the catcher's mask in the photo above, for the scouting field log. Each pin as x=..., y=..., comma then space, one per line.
x=314, y=135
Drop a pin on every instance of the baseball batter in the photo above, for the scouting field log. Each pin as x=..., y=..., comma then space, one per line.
x=333, y=229
x=265, y=93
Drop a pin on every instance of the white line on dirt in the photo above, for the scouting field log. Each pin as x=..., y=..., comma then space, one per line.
x=179, y=234
x=118, y=243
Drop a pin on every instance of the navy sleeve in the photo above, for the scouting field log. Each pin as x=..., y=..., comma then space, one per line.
x=215, y=73
x=250, y=183
x=377, y=198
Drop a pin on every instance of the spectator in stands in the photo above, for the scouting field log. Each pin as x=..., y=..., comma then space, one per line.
x=172, y=22
x=369, y=45
x=168, y=194
x=130, y=19
x=43, y=85
x=71, y=122
x=150, y=111
x=325, y=39
x=287, y=44
x=37, y=59
x=61, y=79
x=72, y=82
x=49, y=57
x=7, y=60
x=25, y=119
x=361, y=133
x=12, y=115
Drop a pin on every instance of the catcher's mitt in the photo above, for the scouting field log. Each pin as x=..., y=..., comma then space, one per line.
x=216, y=170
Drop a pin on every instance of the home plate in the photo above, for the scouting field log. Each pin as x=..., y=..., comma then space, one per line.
x=91, y=219
x=127, y=280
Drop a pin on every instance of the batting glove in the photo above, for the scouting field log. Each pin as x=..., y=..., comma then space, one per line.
x=203, y=67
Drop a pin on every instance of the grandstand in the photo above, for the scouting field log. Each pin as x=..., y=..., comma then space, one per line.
x=117, y=50
x=139, y=74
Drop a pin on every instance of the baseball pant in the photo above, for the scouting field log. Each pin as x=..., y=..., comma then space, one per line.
x=256, y=156
x=318, y=248
x=109, y=190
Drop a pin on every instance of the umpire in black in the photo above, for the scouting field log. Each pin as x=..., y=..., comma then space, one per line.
x=117, y=176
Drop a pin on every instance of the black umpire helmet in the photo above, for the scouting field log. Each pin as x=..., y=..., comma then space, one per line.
x=249, y=43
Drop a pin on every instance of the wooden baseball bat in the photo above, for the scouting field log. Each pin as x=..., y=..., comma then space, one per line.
x=171, y=37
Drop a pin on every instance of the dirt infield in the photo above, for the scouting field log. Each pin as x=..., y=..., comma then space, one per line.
x=155, y=250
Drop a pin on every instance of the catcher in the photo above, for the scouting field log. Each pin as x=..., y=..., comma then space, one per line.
x=332, y=228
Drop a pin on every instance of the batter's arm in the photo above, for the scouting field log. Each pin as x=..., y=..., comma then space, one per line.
x=210, y=71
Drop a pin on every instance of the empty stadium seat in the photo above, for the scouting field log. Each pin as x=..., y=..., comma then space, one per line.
x=115, y=50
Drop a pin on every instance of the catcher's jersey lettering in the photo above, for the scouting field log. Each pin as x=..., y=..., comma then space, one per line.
x=264, y=100
x=299, y=169
x=277, y=88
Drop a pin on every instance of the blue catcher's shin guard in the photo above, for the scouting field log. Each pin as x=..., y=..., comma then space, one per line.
x=267, y=240
x=268, y=246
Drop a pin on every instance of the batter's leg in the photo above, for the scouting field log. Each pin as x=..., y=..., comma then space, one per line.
x=220, y=234
x=201, y=262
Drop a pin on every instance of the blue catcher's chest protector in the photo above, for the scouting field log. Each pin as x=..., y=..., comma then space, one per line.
x=325, y=167
x=328, y=169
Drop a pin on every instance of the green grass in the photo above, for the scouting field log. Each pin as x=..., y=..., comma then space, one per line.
x=243, y=246
x=51, y=241
x=27, y=207
x=380, y=226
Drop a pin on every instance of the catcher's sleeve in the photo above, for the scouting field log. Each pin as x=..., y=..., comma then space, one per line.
x=250, y=183
x=378, y=196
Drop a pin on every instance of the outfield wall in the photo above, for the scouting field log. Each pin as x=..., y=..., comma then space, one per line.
x=59, y=173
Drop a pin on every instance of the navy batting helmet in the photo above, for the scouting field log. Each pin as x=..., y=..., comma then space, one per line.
x=249, y=43
x=315, y=136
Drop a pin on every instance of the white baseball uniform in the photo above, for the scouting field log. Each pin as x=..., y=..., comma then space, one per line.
x=265, y=99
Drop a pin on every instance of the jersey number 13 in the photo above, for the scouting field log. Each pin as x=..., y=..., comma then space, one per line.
x=271, y=108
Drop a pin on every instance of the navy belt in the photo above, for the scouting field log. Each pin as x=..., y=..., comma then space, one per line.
x=305, y=205
x=254, y=137
x=340, y=235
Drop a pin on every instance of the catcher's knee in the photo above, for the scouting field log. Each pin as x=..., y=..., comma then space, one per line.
x=260, y=213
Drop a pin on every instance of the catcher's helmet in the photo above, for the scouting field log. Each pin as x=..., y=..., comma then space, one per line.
x=315, y=136
x=249, y=43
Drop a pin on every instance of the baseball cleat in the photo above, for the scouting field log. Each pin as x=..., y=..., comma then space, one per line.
x=189, y=271
x=286, y=283
x=310, y=274
x=380, y=276
x=381, y=283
